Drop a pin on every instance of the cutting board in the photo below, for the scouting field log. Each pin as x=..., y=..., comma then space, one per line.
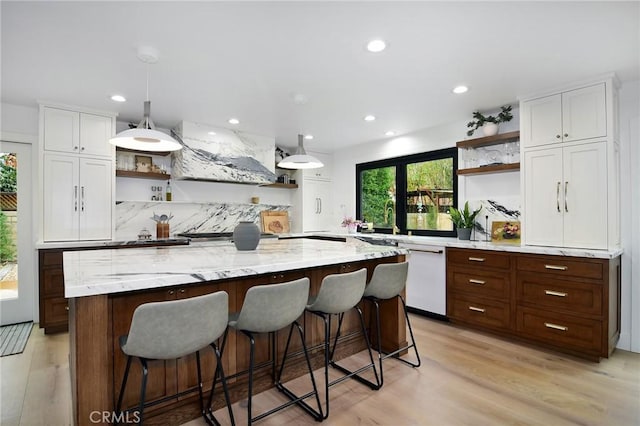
x=274, y=221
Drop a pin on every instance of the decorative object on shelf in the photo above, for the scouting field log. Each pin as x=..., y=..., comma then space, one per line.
x=168, y=196
x=276, y=222
x=143, y=164
x=489, y=123
x=464, y=220
x=281, y=154
x=144, y=234
x=300, y=160
x=246, y=236
x=351, y=224
x=255, y=200
x=506, y=232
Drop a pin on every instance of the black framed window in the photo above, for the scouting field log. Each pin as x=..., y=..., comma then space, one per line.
x=413, y=192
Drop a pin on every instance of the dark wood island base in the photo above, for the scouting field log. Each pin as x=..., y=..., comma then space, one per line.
x=97, y=364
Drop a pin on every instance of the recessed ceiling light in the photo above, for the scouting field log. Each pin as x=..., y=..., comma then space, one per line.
x=460, y=89
x=118, y=98
x=369, y=118
x=376, y=46
x=234, y=121
x=390, y=133
x=299, y=98
x=308, y=137
x=211, y=133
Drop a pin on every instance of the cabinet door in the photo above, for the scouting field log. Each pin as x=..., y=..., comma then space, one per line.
x=325, y=217
x=585, y=195
x=543, y=197
x=95, y=131
x=541, y=121
x=61, y=130
x=95, y=199
x=317, y=214
x=322, y=173
x=584, y=113
x=61, y=198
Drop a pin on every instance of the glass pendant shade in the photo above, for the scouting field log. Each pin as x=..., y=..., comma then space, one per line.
x=300, y=160
x=145, y=140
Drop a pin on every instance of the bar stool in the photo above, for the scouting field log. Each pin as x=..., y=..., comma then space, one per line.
x=171, y=330
x=338, y=294
x=387, y=282
x=267, y=309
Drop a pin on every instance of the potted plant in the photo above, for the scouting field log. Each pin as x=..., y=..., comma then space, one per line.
x=489, y=123
x=351, y=224
x=464, y=220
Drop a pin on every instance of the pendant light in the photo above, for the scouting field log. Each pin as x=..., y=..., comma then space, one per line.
x=145, y=137
x=300, y=160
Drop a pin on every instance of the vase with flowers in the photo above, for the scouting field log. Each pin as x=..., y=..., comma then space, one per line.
x=351, y=224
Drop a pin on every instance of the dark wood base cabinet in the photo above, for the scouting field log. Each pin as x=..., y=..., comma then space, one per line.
x=570, y=304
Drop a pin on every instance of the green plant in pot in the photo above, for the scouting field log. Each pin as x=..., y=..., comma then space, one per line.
x=464, y=220
x=491, y=122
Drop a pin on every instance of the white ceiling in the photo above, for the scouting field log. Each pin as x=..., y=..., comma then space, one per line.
x=246, y=59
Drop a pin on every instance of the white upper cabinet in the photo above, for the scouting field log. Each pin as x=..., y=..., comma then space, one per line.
x=75, y=132
x=564, y=117
x=322, y=173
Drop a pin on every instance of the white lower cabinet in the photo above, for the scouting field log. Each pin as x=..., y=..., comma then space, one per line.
x=566, y=196
x=77, y=198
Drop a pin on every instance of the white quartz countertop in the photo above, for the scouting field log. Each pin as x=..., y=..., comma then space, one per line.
x=108, y=271
x=482, y=245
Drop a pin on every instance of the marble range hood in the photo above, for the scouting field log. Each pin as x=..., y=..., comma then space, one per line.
x=222, y=155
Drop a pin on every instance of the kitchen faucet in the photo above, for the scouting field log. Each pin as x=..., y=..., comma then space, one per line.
x=395, y=228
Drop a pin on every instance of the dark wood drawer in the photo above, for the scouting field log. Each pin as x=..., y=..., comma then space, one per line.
x=56, y=311
x=53, y=282
x=52, y=258
x=582, y=268
x=560, y=330
x=552, y=292
x=488, y=313
x=478, y=258
x=480, y=282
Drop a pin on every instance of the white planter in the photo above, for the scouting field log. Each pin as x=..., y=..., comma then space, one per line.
x=490, y=129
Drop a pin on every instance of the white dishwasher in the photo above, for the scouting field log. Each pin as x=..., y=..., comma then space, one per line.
x=426, y=283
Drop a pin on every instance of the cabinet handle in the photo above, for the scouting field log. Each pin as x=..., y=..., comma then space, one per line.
x=320, y=205
x=558, y=197
x=82, y=148
x=75, y=198
x=281, y=275
x=566, y=208
x=273, y=277
x=556, y=326
x=75, y=147
x=557, y=136
x=479, y=282
x=428, y=251
x=317, y=205
x=66, y=308
x=473, y=308
x=82, y=198
x=566, y=135
x=476, y=259
x=555, y=293
x=182, y=291
x=556, y=267
x=171, y=292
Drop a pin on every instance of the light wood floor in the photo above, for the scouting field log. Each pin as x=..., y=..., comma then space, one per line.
x=466, y=378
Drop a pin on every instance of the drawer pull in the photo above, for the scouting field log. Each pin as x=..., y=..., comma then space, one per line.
x=66, y=308
x=476, y=259
x=556, y=267
x=555, y=293
x=473, y=308
x=556, y=326
x=479, y=282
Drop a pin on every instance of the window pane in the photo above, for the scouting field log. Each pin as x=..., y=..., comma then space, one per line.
x=429, y=195
x=378, y=196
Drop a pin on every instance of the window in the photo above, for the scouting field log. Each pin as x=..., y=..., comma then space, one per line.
x=413, y=193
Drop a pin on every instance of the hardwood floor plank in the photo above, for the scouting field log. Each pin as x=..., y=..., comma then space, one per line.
x=466, y=378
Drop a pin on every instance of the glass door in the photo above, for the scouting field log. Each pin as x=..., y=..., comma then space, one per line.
x=17, y=284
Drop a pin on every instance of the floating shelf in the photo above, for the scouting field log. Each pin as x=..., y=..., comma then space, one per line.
x=281, y=185
x=147, y=153
x=142, y=175
x=490, y=140
x=500, y=168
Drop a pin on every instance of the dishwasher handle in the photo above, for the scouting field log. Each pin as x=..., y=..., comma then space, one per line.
x=428, y=251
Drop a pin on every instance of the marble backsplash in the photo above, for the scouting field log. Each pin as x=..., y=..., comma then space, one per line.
x=133, y=216
x=497, y=209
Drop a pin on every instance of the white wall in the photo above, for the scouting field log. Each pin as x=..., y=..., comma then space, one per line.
x=19, y=119
x=629, y=123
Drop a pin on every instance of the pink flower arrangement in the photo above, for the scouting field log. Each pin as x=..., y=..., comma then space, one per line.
x=349, y=222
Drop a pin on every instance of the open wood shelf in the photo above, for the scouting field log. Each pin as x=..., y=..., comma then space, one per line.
x=499, y=168
x=142, y=175
x=147, y=153
x=281, y=185
x=489, y=140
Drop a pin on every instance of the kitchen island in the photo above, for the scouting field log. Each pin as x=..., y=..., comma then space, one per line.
x=105, y=287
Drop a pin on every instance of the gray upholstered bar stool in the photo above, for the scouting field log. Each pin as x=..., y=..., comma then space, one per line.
x=171, y=330
x=267, y=309
x=387, y=282
x=338, y=294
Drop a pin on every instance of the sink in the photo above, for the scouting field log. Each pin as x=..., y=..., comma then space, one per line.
x=378, y=241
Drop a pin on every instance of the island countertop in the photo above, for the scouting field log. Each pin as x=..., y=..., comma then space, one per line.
x=90, y=273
